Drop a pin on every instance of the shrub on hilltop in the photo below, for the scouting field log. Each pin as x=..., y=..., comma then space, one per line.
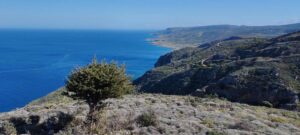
x=98, y=81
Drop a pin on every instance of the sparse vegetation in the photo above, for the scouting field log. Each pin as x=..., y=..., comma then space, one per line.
x=277, y=119
x=8, y=129
x=244, y=125
x=267, y=104
x=211, y=96
x=124, y=116
x=255, y=71
x=147, y=119
x=53, y=99
x=208, y=122
x=214, y=133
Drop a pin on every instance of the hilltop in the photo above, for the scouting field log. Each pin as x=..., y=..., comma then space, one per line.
x=256, y=71
x=149, y=114
x=194, y=36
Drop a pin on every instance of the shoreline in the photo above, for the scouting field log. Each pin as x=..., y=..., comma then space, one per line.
x=165, y=44
x=138, y=49
x=158, y=42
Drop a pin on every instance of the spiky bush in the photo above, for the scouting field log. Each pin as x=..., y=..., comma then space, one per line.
x=98, y=81
x=147, y=119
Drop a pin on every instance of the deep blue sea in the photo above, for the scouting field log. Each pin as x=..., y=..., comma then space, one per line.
x=34, y=63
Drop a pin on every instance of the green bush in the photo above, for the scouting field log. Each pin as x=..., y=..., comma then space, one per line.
x=147, y=119
x=214, y=133
x=98, y=81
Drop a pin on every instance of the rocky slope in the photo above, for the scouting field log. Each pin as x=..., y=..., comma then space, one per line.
x=47, y=115
x=149, y=114
x=249, y=70
x=194, y=36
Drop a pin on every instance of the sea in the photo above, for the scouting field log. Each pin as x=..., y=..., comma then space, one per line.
x=34, y=63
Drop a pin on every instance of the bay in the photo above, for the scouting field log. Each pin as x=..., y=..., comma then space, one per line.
x=34, y=63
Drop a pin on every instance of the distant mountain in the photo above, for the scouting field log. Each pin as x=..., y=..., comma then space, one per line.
x=194, y=36
x=256, y=71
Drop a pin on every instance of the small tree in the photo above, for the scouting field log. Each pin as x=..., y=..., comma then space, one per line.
x=98, y=81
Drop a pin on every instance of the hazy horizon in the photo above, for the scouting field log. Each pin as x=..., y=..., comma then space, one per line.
x=144, y=14
x=133, y=29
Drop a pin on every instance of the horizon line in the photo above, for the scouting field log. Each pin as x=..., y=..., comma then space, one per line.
x=79, y=29
x=136, y=29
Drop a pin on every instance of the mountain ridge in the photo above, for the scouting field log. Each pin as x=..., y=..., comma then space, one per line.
x=257, y=71
x=179, y=37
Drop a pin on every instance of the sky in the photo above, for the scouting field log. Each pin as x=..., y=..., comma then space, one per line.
x=144, y=14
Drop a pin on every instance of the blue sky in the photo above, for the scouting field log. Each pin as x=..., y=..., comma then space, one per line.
x=144, y=14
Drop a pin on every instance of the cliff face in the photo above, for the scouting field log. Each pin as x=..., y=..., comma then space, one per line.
x=248, y=70
x=194, y=36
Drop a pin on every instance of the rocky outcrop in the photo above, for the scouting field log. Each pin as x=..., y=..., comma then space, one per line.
x=175, y=56
x=249, y=70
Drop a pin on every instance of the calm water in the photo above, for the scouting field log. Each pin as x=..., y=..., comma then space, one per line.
x=36, y=62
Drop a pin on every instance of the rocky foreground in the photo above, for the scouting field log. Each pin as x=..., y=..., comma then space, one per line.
x=149, y=114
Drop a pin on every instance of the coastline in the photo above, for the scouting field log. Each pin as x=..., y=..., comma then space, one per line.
x=165, y=44
x=159, y=42
x=140, y=57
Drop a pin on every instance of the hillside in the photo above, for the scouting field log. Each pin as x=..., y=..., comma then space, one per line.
x=149, y=114
x=194, y=90
x=195, y=36
x=256, y=71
